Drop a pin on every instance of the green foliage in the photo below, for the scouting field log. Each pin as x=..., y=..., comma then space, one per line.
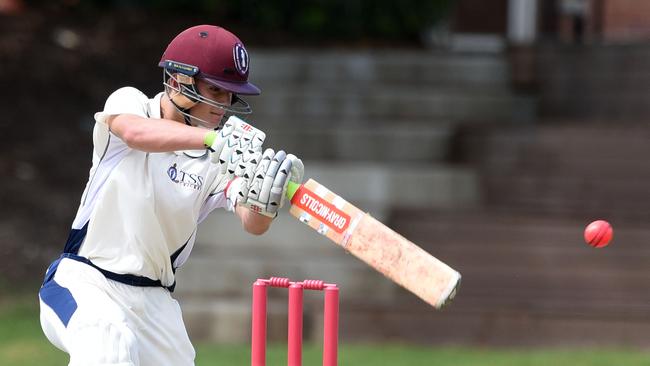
x=344, y=20
x=325, y=20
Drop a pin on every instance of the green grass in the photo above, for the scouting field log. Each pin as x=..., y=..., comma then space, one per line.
x=22, y=343
x=409, y=355
x=21, y=340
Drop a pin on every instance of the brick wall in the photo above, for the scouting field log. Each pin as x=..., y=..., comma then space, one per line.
x=625, y=20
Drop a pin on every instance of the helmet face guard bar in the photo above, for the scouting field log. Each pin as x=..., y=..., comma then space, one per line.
x=186, y=88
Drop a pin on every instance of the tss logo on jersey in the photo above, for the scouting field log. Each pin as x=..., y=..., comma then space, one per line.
x=185, y=179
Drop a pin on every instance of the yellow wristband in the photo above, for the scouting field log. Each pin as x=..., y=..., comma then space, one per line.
x=209, y=138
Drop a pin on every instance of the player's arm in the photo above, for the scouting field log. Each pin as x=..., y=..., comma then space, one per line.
x=156, y=135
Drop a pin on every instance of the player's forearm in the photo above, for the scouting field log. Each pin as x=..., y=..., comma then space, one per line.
x=156, y=135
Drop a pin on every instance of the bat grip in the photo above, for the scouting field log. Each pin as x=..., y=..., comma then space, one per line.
x=291, y=189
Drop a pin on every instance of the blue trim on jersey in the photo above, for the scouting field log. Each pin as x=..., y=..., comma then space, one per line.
x=127, y=279
x=57, y=297
x=60, y=300
x=51, y=270
x=173, y=259
x=71, y=249
x=90, y=182
x=75, y=238
x=177, y=253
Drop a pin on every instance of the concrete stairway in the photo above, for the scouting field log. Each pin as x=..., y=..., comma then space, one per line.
x=577, y=170
x=509, y=217
x=607, y=83
x=527, y=281
x=586, y=157
x=376, y=106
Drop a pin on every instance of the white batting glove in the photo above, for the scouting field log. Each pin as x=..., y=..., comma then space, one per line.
x=234, y=145
x=266, y=190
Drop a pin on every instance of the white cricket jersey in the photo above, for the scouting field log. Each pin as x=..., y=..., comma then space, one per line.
x=139, y=211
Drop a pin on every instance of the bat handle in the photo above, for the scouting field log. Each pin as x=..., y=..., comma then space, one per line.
x=291, y=189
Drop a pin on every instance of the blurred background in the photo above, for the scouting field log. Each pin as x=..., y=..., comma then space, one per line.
x=489, y=133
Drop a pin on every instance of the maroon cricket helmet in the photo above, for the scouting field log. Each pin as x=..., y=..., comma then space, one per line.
x=213, y=54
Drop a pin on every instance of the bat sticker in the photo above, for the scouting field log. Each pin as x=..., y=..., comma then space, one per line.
x=305, y=218
x=330, y=215
x=322, y=229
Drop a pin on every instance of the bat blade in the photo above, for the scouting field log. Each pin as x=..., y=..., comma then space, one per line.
x=374, y=243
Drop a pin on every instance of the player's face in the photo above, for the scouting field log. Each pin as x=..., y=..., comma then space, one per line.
x=206, y=112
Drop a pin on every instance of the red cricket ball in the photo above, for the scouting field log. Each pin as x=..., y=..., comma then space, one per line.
x=599, y=233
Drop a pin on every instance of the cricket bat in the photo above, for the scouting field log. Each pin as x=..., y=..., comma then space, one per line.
x=373, y=242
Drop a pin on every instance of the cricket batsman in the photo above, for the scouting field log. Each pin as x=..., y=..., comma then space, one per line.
x=159, y=167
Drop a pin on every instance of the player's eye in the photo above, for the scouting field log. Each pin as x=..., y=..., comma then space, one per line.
x=218, y=92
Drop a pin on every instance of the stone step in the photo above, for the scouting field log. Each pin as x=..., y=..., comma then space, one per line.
x=564, y=146
x=494, y=327
x=292, y=249
x=566, y=169
x=570, y=139
x=404, y=67
x=601, y=58
x=535, y=261
x=228, y=320
x=527, y=281
x=219, y=320
x=594, y=82
x=575, y=201
x=381, y=143
x=568, y=193
x=604, y=139
x=603, y=187
x=231, y=276
x=616, y=108
x=225, y=262
x=625, y=85
x=379, y=187
x=291, y=105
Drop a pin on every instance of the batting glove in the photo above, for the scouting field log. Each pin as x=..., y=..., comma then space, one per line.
x=234, y=145
x=266, y=190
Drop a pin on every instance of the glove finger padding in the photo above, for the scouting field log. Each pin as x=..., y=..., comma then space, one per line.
x=237, y=146
x=235, y=141
x=228, y=126
x=280, y=183
x=269, y=176
x=266, y=194
x=249, y=144
x=247, y=165
x=258, y=140
x=297, y=169
x=260, y=172
x=230, y=133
